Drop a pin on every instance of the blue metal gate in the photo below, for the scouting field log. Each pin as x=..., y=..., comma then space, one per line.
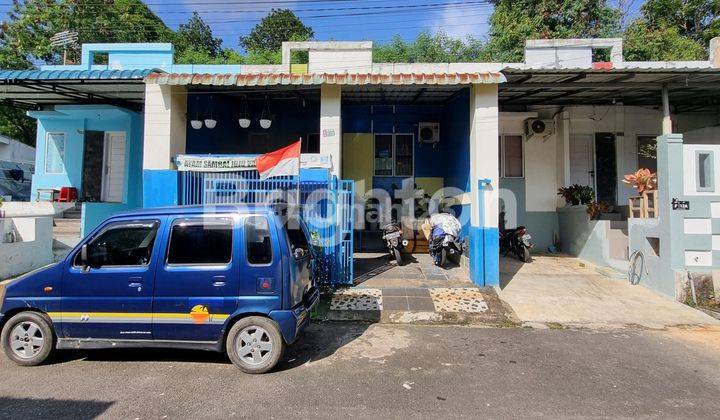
x=327, y=208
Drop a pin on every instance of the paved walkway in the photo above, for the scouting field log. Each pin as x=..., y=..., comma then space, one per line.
x=568, y=291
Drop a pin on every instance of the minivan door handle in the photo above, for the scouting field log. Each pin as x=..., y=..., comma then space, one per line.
x=135, y=282
x=218, y=281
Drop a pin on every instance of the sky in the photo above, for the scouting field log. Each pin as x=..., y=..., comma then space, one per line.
x=343, y=20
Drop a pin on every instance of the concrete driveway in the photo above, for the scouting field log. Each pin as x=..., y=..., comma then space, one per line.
x=568, y=291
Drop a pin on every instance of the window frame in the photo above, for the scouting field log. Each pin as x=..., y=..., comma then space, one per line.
x=107, y=227
x=710, y=177
x=47, y=149
x=501, y=165
x=245, y=242
x=203, y=218
x=393, y=151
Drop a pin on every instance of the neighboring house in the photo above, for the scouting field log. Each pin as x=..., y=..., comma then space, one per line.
x=115, y=131
x=17, y=163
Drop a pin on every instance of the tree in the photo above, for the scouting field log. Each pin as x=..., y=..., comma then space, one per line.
x=429, y=48
x=673, y=30
x=515, y=21
x=278, y=26
x=194, y=42
x=31, y=23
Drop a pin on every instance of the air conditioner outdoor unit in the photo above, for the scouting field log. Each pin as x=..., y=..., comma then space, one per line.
x=537, y=127
x=428, y=132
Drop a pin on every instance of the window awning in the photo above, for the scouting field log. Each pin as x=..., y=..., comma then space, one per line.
x=346, y=79
x=34, y=89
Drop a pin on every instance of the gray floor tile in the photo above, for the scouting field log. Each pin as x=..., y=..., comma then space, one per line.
x=395, y=303
x=420, y=304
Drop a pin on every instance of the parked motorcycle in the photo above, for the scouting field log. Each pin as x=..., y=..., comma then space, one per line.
x=392, y=234
x=444, y=243
x=516, y=240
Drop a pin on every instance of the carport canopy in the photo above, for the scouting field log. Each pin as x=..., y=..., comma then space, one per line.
x=36, y=89
x=688, y=88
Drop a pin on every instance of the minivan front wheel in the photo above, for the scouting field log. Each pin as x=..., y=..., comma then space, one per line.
x=255, y=345
x=28, y=339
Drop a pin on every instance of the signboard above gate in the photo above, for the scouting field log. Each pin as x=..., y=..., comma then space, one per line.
x=231, y=163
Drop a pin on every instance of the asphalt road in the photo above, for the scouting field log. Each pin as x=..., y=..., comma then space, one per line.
x=380, y=371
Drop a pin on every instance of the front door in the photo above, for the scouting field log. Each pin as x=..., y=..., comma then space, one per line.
x=606, y=168
x=197, y=280
x=93, y=165
x=111, y=298
x=113, y=179
x=582, y=162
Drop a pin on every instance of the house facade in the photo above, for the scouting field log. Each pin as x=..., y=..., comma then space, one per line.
x=476, y=138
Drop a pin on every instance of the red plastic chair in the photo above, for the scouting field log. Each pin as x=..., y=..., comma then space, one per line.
x=68, y=194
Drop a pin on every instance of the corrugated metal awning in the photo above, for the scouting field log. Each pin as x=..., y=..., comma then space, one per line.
x=352, y=79
x=34, y=89
x=75, y=74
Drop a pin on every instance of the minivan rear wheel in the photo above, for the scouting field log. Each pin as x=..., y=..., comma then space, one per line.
x=28, y=338
x=255, y=344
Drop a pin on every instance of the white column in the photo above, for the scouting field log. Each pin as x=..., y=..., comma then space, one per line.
x=484, y=131
x=331, y=125
x=165, y=125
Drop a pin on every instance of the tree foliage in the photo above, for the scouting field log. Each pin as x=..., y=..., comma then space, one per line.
x=514, y=21
x=195, y=43
x=278, y=26
x=673, y=30
x=429, y=48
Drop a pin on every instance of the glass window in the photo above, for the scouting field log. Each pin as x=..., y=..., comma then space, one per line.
x=383, y=155
x=122, y=244
x=705, y=173
x=201, y=241
x=394, y=154
x=296, y=235
x=512, y=150
x=257, y=240
x=55, y=153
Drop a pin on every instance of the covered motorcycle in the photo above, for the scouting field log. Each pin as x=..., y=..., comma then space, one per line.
x=444, y=240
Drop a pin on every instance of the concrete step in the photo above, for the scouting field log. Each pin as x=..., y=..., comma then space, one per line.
x=66, y=227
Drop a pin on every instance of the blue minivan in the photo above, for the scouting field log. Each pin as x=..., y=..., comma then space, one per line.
x=228, y=278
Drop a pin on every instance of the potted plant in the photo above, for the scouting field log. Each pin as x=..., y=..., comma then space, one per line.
x=577, y=194
x=596, y=209
x=642, y=180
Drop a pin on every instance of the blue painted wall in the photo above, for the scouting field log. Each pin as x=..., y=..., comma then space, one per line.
x=291, y=120
x=73, y=120
x=449, y=159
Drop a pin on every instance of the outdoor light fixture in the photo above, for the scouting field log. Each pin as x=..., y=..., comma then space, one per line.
x=265, y=120
x=210, y=123
x=244, y=121
x=196, y=124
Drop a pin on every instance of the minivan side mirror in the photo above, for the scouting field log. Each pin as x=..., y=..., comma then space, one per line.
x=84, y=257
x=299, y=253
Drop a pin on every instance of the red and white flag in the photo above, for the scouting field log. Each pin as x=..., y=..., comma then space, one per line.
x=281, y=162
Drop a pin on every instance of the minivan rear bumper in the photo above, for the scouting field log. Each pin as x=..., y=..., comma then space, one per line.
x=293, y=321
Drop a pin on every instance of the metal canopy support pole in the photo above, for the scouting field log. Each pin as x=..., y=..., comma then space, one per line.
x=667, y=121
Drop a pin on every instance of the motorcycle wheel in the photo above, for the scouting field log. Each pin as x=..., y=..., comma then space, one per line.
x=443, y=257
x=524, y=254
x=397, y=255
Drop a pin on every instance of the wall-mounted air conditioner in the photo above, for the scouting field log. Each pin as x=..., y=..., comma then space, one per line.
x=429, y=132
x=537, y=127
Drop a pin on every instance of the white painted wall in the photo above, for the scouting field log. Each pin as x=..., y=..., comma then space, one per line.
x=331, y=125
x=165, y=125
x=32, y=248
x=342, y=61
x=484, y=130
x=691, y=170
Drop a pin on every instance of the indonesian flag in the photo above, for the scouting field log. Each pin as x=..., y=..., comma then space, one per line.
x=281, y=162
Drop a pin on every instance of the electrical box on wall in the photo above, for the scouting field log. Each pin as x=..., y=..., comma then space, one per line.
x=537, y=127
x=429, y=132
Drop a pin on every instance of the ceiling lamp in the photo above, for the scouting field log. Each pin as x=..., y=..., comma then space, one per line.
x=265, y=120
x=210, y=123
x=244, y=121
x=196, y=123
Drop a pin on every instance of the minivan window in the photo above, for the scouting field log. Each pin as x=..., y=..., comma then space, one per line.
x=200, y=241
x=257, y=240
x=122, y=244
x=296, y=235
